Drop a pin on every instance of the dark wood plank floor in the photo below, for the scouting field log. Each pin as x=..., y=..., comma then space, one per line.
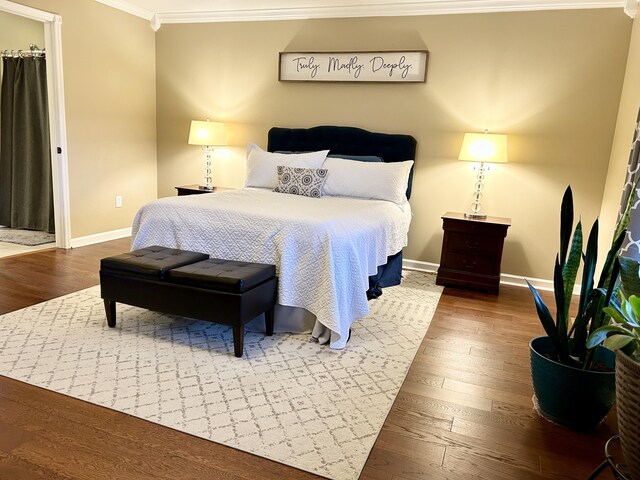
x=463, y=412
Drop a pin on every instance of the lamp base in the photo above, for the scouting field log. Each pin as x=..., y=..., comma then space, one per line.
x=475, y=216
x=206, y=187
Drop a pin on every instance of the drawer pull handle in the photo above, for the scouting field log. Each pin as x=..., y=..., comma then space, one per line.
x=470, y=265
x=471, y=245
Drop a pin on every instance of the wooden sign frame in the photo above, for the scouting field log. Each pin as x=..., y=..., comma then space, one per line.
x=406, y=66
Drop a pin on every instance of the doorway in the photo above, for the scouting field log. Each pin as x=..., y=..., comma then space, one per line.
x=52, y=25
x=26, y=196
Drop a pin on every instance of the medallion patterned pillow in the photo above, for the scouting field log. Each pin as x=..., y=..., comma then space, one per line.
x=301, y=181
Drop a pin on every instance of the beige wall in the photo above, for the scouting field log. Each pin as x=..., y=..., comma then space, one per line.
x=625, y=126
x=551, y=80
x=109, y=82
x=16, y=33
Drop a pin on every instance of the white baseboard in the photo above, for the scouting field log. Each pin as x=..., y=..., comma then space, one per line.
x=100, y=237
x=505, y=278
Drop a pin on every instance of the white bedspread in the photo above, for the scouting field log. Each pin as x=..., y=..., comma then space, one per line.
x=324, y=248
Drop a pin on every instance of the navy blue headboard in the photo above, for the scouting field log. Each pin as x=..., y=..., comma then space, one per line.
x=345, y=141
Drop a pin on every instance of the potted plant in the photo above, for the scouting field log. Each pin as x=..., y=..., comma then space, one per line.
x=623, y=336
x=574, y=386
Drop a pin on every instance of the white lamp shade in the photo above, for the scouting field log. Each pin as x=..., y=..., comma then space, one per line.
x=207, y=133
x=484, y=147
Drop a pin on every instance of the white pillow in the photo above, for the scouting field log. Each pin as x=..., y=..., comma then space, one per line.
x=375, y=180
x=262, y=166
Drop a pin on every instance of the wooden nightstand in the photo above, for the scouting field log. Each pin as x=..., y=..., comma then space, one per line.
x=472, y=252
x=197, y=190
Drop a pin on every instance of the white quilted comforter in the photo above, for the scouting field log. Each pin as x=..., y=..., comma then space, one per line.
x=324, y=248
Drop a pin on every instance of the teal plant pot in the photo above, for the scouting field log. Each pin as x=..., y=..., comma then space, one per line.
x=571, y=397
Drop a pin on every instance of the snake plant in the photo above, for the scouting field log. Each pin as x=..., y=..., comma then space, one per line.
x=593, y=297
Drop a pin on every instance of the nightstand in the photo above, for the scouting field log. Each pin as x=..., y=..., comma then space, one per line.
x=472, y=252
x=197, y=190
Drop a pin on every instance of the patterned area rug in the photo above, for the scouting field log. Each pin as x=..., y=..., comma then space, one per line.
x=287, y=399
x=29, y=238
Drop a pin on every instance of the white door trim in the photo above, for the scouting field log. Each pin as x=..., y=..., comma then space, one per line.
x=57, y=119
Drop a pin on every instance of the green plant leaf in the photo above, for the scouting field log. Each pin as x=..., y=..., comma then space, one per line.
x=566, y=223
x=586, y=288
x=615, y=314
x=612, y=255
x=570, y=268
x=633, y=310
x=629, y=275
x=615, y=342
x=561, y=317
x=544, y=315
x=596, y=338
x=581, y=321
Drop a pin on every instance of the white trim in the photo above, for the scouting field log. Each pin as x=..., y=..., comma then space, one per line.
x=125, y=6
x=27, y=12
x=58, y=132
x=419, y=266
x=631, y=8
x=433, y=7
x=100, y=237
x=505, y=278
x=57, y=122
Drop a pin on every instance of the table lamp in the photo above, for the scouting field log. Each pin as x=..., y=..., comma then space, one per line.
x=482, y=148
x=207, y=134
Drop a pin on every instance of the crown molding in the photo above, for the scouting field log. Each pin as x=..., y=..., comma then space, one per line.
x=27, y=12
x=390, y=9
x=433, y=7
x=128, y=7
x=631, y=8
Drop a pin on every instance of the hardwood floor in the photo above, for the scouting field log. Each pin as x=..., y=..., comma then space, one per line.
x=464, y=410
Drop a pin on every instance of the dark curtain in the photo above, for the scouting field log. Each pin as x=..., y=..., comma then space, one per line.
x=26, y=191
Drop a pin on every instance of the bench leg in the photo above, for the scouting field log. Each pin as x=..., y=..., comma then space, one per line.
x=110, y=310
x=238, y=339
x=268, y=320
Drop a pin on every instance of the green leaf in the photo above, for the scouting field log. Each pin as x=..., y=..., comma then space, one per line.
x=615, y=342
x=629, y=274
x=566, y=223
x=588, y=272
x=632, y=311
x=544, y=315
x=616, y=315
x=570, y=269
x=596, y=338
x=612, y=255
x=561, y=317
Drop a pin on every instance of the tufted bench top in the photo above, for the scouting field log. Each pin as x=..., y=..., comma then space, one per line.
x=151, y=261
x=224, y=275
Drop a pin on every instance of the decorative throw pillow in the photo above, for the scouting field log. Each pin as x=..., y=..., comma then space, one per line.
x=379, y=181
x=301, y=181
x=261, y=165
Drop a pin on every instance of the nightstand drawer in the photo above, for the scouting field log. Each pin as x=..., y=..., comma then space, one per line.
x=471, y=244
x=470, y=263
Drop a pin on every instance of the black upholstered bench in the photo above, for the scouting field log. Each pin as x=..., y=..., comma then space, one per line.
x=190, y=284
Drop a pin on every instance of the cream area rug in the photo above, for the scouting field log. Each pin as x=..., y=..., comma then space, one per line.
x=287, y=399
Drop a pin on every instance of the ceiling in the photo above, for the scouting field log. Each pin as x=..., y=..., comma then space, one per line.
x=198, y=11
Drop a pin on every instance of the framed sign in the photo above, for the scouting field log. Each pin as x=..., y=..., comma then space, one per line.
x=378, y=67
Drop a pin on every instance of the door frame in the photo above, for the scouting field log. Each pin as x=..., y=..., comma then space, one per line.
x=57, y=120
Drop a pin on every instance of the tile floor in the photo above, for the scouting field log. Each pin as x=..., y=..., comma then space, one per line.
x=8, y=249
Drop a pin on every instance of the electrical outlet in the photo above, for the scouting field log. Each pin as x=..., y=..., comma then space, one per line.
x=118, y=201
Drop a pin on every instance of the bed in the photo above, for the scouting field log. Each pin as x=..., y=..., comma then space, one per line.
x=332, y=253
